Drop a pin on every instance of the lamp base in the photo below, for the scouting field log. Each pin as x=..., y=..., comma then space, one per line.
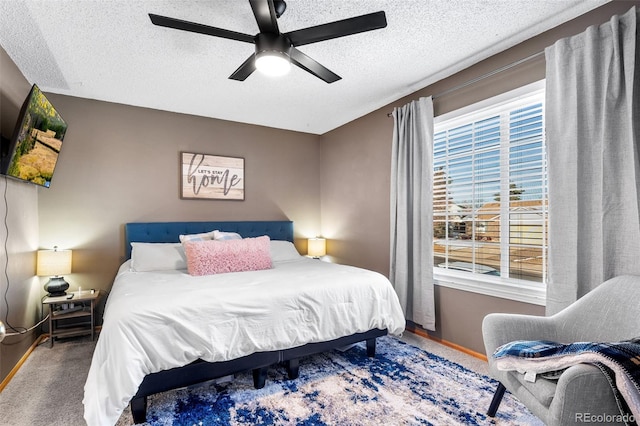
x=56, y=286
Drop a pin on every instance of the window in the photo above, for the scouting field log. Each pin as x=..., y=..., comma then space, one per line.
x=490, y=196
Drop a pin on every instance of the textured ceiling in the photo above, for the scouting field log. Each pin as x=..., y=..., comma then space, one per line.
x=109, y=50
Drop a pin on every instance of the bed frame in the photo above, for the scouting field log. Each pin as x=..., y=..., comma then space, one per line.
x=201, y=371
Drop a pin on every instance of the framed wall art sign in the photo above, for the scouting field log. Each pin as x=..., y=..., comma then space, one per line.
x=206, y=176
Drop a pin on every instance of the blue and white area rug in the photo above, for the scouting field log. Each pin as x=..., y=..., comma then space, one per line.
x=402, y=385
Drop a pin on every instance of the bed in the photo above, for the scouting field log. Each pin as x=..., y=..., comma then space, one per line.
x=165, y=328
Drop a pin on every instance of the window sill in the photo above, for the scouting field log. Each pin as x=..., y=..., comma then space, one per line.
x=521, y=291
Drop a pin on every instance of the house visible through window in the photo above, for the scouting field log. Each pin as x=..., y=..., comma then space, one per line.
x=490, y=191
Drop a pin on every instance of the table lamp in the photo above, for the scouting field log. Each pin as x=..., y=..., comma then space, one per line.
x=316, y=247
x=54, y=263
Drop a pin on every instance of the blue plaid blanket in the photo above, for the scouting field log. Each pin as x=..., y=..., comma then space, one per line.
x=622, y=359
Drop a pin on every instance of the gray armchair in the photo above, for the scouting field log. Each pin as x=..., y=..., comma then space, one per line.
x=609, y=313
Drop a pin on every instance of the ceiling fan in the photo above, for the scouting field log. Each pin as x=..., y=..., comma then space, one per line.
x=274, y=47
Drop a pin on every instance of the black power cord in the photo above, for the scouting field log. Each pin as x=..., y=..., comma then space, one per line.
x=19, y=330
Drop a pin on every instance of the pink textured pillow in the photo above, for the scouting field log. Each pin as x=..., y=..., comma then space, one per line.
x=217, y=257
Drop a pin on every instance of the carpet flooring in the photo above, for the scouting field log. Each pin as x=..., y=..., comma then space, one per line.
x=403, y=385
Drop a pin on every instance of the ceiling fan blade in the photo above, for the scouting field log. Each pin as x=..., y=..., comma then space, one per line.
x=310, y=65
x=244, y=70
x=193, y=27
x=345, y=27
x=265, y=14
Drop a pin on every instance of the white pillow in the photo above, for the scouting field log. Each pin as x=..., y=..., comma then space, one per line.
x=219, y=235
x=157, y=257
x=205, y=236
x=282, y=251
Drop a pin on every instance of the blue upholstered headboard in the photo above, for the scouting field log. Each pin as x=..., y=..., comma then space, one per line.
x=168, y=232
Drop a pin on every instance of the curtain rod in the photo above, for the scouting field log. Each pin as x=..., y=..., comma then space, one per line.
x=483, y=76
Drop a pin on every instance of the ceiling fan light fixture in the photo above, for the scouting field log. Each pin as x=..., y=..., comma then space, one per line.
x=273, y=63
x=275, y=50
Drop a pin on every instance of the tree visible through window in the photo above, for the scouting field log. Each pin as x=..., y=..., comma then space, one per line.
x=490, y=191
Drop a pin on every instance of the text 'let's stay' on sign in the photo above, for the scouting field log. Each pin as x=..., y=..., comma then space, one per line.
x=212, y=177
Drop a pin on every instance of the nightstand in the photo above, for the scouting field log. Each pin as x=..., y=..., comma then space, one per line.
x=84, y=304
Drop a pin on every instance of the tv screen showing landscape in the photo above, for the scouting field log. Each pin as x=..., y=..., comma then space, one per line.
x=37, y=140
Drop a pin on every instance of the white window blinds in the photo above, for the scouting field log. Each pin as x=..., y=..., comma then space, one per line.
x=490, y=198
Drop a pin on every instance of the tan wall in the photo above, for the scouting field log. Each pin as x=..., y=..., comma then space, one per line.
x=21, y=208
x=355, y=177
x=121, y=164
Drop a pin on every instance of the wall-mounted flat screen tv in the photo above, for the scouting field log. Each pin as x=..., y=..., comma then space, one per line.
x=32, y=153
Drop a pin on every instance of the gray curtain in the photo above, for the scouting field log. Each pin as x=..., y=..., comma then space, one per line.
x=594, y=159
x=411, y=269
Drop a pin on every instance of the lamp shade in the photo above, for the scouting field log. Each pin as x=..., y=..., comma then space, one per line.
x=53, y=262
x=317, y=247
x=272, y=54
x=272, y=63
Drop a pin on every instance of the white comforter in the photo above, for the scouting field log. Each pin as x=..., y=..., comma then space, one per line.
x=160, y=320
